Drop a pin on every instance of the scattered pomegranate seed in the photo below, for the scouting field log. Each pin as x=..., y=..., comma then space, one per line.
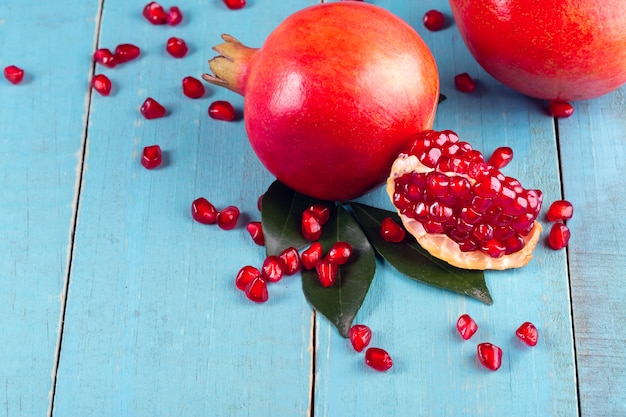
x=176, y=47
x=155, y=13
x=378, y=359
x=312, y=255
x=501, y=157
x=256, y=290
x=466, y=326
x=245, y=276
x=527, y=333
x=227, y=217
x=222, y=110
x=152, y=109
x=391, y=231
x=126, y=52
x=465, y=83
x=559, y=236
x=339, y=253
x=560, y=109
x=101, y=84
x=259, y=202
x=256, y=232
x=235, y=4
x=14, y=74
x=489, y=355
x=203, y=211
x=327, y=272
x=174, y=16
x=560, y=210
x=104, y=56
x=360, y=336
x=320, y=211
x=311, y=227
x=151, y=157
x=272, y=269
x=193, y=87
x=434, y=20
x=291, y=260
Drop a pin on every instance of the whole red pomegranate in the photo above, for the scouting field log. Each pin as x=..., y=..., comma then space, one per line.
x=332, y=96
x=548, y=49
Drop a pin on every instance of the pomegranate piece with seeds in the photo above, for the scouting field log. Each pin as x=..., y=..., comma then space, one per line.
x=235, y=4
x=464, y=83
x=339, y=253
x=152, y=109
x=272, y=269
x=466, y=326
x=104, y=56
x=560, y=109
x=527, y=333
x=391, y=231
x=327, y=272
x=256, y=290
x=489, y=355
x=559, y=236
x=227, y=218
x=311, y=256
x=155, y=13
x=245, y=276
x=378, y=359
x=434, y=20
x=14, y=74
x=256, y=232
x=311, y=226
x=174, y=16
x=501, y=157
x=360, y=336
x=560, y=210
x=102, y=84
x=291, y=260
x=151, y=157
x=192, y=87
x=126, y=52
x=203, y=211
x=222, y=110
x=176, y=47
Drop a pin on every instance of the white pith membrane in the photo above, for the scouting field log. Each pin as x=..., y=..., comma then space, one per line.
x=443, y=247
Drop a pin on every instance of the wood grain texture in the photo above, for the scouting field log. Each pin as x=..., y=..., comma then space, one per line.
x=42, y=122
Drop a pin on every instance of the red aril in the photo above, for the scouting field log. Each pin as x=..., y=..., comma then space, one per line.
x=291, y=260
x=192, y=87
x=560, y=109
x=235, y=4
x=102, y=84
x=501, y=157
x=152, y=109
x=559, y=236
x=464, y=83
x=311, y=226
x=174, y=16
x=151, y=157
x=339, y=253
x=255, y=229
x=176, y=47
x=272, y=269
x=104, y=56
x=256, y=290
x=222, y=110
x=434, y=20
x=245, y=276
x=489, y=355
x=311, y=109
x=360, y=336
x=259, y=202
x=155, y=13
x=321, y=211
x=311, y=256
x=14, y=74
x=391, y=231
x=227, y=218
x=466, y=326
x=378, y=359
x=527, y=333
x=560, y=210
x=126, y=52
x=327, y=272
x=203, y=211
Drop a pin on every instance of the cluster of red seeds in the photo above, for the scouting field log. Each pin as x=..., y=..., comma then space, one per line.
x=360, y=336
x=205, y=212
x=559, y=212
x=490, y=355
x=156, y=14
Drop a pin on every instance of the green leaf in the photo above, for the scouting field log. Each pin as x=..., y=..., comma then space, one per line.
x=341, y=302
x=412, y=260
x=281, y=216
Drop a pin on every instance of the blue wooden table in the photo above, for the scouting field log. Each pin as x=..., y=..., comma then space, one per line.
x=113, y=302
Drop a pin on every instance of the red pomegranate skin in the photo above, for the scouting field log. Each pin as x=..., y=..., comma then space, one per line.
x=548, y=49
x=334, y=94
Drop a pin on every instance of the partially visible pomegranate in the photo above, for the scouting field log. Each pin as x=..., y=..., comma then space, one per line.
x=548, y=49
x=332, y=96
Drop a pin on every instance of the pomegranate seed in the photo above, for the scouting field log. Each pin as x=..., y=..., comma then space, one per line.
x=235, y=4
x=501, y=157
x=272, y=269
x=174, y=16
x=155, y=13
x=126, y=52
x=311, y=227
x=256, y=290
x=259, y=202
x=312, y=255
x=193, y=87
x=291, y=260
x=327, y=272
x=203, y=211
x=104, y=56
x=152, y=109
x=560, y=210
x=14, y=74
x=489, y=355
x=176, y=47
x=464, y=83
x=256, y=232
x=151, y=157
x=434, y=20
x=339, y=253
x=391, y=231
x=227, y=217
x=466, y=326
x=245, y=276
x=527, y=333
x=101, y=84
x=378, y=359
x=360, y=336
x=222, y=110
x=320, y=211
x=560, y=109
x=559, y=236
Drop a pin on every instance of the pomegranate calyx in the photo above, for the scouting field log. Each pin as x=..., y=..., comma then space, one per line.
x=230, y=67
